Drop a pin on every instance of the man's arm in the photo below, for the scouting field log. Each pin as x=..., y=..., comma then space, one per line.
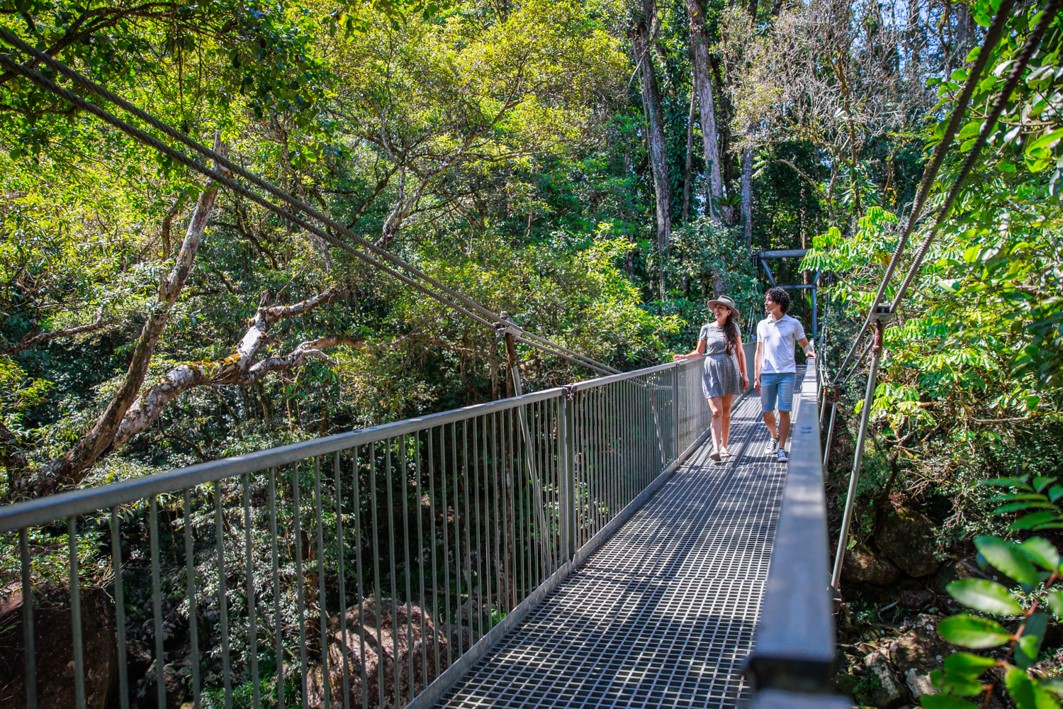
x=806, y=346
x=758, y=361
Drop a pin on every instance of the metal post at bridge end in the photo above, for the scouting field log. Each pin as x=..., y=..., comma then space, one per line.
x=879, y=317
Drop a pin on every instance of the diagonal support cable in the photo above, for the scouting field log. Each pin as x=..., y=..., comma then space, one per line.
x=451, y=298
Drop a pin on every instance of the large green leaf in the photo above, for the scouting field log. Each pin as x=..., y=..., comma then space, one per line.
x=967, y=663
x=983, y=595
x=1007, y=558
x=973, y=631
x=1025, y=693
x=1042, y=552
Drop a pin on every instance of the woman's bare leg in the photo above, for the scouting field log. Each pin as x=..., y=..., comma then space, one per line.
x=725, y=418
x=716, y=407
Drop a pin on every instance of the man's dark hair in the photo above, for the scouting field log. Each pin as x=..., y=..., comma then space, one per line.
x=781, y=297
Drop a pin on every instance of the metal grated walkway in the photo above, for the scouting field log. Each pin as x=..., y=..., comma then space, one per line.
x=663, y=614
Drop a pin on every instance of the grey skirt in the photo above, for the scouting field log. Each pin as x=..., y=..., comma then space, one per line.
x=720, y=376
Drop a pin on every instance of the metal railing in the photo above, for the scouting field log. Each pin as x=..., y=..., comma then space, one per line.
x=793, y=653
x=352, y=570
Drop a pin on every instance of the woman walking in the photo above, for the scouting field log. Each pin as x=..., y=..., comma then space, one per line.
x=725, y=369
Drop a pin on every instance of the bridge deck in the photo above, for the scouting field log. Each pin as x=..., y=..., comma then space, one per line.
x=663, y=613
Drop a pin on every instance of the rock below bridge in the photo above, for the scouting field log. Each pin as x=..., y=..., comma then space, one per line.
x=392, y=642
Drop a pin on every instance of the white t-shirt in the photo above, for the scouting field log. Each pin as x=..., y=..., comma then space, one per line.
x=777, y=339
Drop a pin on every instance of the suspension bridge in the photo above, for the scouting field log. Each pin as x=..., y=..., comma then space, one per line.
x=571, y=547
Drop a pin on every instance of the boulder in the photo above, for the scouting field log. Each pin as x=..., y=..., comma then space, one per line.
x=919, y=646
x=393, y=643
x=861, y=565
x=918, y=683
x=54, y=648
x=909, y=539
x=879, y=688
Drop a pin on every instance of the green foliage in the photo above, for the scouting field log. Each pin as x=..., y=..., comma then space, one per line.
x=1034, y=565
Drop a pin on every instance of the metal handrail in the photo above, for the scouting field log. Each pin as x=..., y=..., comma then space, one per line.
x=361, y=565
x=793, y=650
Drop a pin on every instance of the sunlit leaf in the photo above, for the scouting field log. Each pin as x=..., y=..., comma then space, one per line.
x=973, y=632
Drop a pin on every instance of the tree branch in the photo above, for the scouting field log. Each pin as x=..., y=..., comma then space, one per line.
x=44, y=337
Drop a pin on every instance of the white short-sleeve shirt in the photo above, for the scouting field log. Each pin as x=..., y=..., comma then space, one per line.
x=777, y=339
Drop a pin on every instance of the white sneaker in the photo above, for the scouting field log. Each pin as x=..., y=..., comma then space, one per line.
x=772, y=446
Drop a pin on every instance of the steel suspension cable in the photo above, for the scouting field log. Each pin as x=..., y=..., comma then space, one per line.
x=993, y=36
x=988, y=127
x=454, y=299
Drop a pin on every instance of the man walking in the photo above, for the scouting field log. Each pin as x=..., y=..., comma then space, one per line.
x=775, y=368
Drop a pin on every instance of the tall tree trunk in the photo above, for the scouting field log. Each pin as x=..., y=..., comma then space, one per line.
x=699, y=43
x=687, y=166
x=747, y=196
x=69, y=469
x=651, y=101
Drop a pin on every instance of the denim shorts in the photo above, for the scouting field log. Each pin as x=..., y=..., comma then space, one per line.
x=778, y=385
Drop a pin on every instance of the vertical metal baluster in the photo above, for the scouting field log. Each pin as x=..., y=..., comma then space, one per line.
x=563, y=478
x=487, y=543
x=392, y=571
x=603, y=457
x=75, y=611
x=586, y=400
x=632, y=441
x=300, y=579
x=457, y=534
x=432, y=538
x=445, y=524
x=341, y=544
x=503, y=466
x=404, y=473
x=156, y=600
x=610, y=449
x=499, y=509
x=614, y=446
x=422, y=602
x=29, y=639
x=521, y=480
x=119, y=609
x=467, y=567
x=475, y=547
x=510, y=488
x=360, y=575
x=521, y=515
x=193, y=602
x=223, y=601
x=568, y=411
x=475, y=554
x=377, y=586
x=252, y=624
x=621, y=442
x=275, y=561
x=567, y=486
x=322, y=606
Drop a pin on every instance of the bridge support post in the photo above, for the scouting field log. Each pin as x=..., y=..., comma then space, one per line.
x=566, y=444
x=854, y=476
x=675, y=411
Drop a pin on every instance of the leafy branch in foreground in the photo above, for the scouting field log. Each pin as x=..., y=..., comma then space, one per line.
x=1034, y=565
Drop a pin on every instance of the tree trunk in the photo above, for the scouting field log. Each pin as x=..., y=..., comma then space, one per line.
x=747, y=197
x=651, y=101
x=703, y=86
x=69, y=469
x=687, y=166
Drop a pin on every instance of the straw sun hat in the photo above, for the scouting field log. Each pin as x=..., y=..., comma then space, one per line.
x=724, y=300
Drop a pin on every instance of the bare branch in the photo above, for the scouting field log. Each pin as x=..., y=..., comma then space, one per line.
x=43, y=337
